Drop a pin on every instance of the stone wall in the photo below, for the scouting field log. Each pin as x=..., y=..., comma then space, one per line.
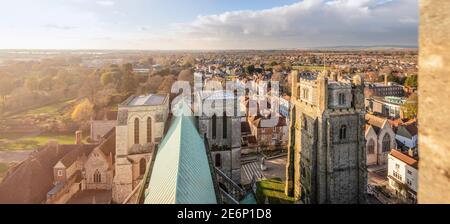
x=434, y=106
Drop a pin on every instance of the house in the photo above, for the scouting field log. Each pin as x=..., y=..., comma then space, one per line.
x=268, y=135
x=388, y=106
x=407, y=135
x=68, y=174
x=249, y=143
x=99, y=165
x=85, y=167
x=403, y=174
x=380, y=139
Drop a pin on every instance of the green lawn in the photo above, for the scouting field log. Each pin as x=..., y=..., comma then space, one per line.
x=273, y=189
x=30, y=143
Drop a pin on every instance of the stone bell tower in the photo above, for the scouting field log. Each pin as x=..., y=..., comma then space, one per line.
x=326, y=155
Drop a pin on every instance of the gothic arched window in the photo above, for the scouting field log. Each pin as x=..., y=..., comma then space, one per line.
x=224, y=126
x=371, y=147
x=136, y=131
x=149, y=130
x=97, y=177
x=386, y=144
x=214, y=126
x=343, y=132
x=218, y=160
x=342, y=100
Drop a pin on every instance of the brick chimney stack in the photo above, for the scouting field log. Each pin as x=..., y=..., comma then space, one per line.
x=385, y=79
x=78, y=137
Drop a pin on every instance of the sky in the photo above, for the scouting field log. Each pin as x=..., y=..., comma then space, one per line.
x=206, y=24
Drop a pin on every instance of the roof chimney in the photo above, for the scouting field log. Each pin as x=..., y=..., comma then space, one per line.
x=385, y=79
x=78, y=137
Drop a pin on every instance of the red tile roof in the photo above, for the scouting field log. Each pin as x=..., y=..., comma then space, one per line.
x=405, y=158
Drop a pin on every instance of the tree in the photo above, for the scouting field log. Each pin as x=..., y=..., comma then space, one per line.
x=186, y=75
x=166, y=85
x=411, y=81
x=6, y=88
x=371, y=77
x=188, y=61
x=32, y=83
x=91, y=86
x=83, y=111
x=410, y=108
x=109, y=78
x=46, y=83
x=152, y=84
x=129, y=82
x=250, y=69
x=390, y=78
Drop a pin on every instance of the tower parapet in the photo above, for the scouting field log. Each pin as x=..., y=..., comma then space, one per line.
x=327, y=140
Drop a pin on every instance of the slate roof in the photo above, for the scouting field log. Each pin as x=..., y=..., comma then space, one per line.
x=181, y=173
x=407, y=131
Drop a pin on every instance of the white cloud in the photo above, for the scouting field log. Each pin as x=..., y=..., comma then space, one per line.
x=106, y=3
x=309, y=23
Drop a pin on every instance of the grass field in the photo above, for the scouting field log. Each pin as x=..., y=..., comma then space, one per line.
x=273, y=189
x=51, y=110
x=14, y=143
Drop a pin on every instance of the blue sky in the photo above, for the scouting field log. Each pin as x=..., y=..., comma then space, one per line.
x=206, y=24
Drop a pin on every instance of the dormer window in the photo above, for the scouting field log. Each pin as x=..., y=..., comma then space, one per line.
x=342, y=99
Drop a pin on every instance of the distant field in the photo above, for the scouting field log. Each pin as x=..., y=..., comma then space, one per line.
x=51, y=110
x=273, y=189
x=14, y=143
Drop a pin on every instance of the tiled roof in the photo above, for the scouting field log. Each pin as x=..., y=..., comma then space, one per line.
x=405, y=158
x=31, y=180
x=375, y=121
x=181, y=173
x=108, y=146
x=76, y=153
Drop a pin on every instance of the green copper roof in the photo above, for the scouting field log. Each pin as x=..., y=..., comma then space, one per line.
x=181, y=173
